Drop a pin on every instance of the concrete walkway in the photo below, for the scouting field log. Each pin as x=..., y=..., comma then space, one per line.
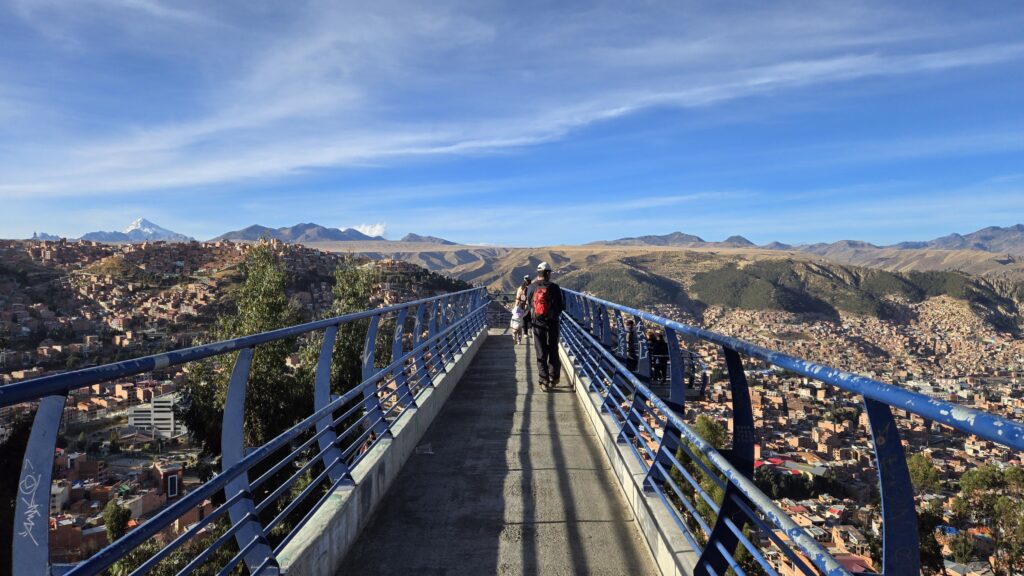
x=509, y=479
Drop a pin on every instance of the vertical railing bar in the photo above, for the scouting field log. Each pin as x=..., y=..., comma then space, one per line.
x=232, y=451
x=900, y=544
x=31, y=538
x=322, y=397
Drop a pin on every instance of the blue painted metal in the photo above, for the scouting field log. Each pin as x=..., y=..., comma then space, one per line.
x=421, y=375
x=742, y=502
x=766, y=510
x=371, y=398
x=436, y=359
x=606, y=326
x=643, y=350
x=621, y=337
x=969, y=420
x=677, y=393
x=232, y=445
x=722, y=543
x=900, y=546
x=321, y=398
x=462, y=325
x=30, y=548
x=397, y=351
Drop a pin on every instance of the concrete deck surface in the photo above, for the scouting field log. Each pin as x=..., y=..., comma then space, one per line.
x=509, y=479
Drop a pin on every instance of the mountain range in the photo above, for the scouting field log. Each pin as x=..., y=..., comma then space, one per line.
x=141, y=230
x=1008, y=240
x=303, y=233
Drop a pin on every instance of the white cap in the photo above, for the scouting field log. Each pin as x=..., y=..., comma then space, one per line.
x=543, y=267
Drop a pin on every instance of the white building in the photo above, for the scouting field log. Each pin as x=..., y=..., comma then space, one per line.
x=157, y=416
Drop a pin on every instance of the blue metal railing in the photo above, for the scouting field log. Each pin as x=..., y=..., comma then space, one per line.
x=657, y=435
x=341, y=431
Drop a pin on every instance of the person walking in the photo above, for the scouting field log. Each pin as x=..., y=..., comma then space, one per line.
x=546, y=306
x=520, y=313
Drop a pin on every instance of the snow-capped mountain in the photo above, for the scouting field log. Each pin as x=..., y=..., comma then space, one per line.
x=141, y=230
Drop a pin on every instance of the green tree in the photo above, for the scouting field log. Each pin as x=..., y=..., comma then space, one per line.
x=996, y=499
x=714, y=434
x=276, y=399
x=931, y=552
x=80, y=442
x=115, y=442
x=115, y=519
x=353, y=287
x=923, y=473
x=962, y=546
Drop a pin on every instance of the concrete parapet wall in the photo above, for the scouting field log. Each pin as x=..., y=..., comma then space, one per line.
x=671, y=551
x=321, y=545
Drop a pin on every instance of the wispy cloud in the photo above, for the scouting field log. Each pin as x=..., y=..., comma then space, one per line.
x=324, y=86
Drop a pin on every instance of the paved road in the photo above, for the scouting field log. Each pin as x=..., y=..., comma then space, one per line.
x=509, y=479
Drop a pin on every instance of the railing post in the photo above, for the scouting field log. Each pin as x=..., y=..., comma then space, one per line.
x=436, y=357
x=643, y=350
x=321, y=398
x=900, y=545
x=421, y=366
x=624, y=432
x=31, y=546
x=232, y=450
x=622, y=338
x=653, y=474
x=606, y=329
x=397, y=351
x=444, y=341
x=593, y=322
x=371, y=396
x=677, y=392
x=742, y=457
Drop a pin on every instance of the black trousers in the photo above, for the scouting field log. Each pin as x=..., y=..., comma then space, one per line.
x=545, y=342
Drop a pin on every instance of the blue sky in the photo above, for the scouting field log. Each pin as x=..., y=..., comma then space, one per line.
x=521, y=123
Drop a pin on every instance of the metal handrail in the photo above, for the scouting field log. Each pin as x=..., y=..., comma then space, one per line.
x=450, y=323
x=587, y=333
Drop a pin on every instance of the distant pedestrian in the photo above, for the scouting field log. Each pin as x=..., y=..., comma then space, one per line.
x=520, y=314
x=546, y=306
x=659, y=354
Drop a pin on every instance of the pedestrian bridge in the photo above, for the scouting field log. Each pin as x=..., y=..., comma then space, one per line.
x=448, y=459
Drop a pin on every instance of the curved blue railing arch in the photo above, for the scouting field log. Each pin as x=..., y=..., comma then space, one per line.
x=587, y=326
x=443, y=327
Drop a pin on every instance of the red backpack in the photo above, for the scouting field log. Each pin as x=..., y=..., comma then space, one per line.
x=542, y=302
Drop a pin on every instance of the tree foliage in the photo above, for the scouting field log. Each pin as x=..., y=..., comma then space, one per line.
x=115, y=519
x=276, y=399
x=962, y=547
x=923, y=473
x=995, y=499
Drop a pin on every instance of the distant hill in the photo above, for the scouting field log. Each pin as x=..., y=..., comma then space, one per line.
x=680, y=239
x=303, y=233
x=992, y=239
x=139, y=231
x=1009, y=240
x=410, y=237
x=756, y=279
x=672, y=239
x=737, y=241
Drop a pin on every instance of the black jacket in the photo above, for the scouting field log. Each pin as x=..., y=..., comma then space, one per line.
x=556, y=297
